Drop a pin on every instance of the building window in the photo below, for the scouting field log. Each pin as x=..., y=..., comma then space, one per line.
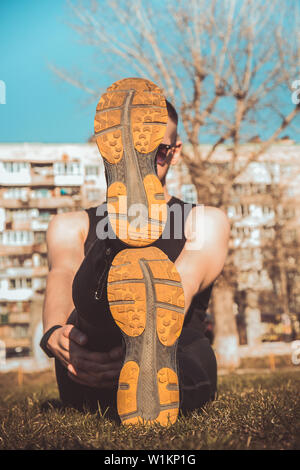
x=39, y=260
x=42, y=169
x=184, y=170
x=4, y=260
x=15, y=193
x=289, y=212
x=20, y=283
x=267, y=233
x=189, y=193
x=74, y=168
x=92, y=170
x=3, y=318
x=17, y=237
x=43, y=260
x=238, y=210
x=16, y=261
x=93, y=194
x=44, y=216
x=260, y=188
x=173, y=187
x=40, y=193
x=15, y=167
x=247, y=189
x=20, y=331
x=69, y=191
x=290, y=236
x=40, y=283
x=245, y=210
x=266, y=210
x=70, y=168
x=21, y=214
x=231, y=211
x=39, y=237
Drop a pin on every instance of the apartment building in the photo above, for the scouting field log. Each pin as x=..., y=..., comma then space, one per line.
x=40, y=180
x=264, y=209
x=36, y=182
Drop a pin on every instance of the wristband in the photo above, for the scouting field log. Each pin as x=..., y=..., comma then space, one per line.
x=44, y=340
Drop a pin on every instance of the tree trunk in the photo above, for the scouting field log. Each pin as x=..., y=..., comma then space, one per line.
x=226, y=335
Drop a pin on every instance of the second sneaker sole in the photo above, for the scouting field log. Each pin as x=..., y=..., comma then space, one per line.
x=146, y=300
x=130, y=123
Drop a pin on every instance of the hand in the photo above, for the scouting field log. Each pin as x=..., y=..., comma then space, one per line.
x=94, y=369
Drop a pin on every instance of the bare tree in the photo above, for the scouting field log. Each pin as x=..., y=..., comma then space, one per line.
x=282, y=248
x=227, y=65
x=266, y=249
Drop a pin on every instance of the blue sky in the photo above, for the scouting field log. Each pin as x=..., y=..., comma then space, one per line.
x=39, y=106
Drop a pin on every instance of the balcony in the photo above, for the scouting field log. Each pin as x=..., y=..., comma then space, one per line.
x=69, y=180
x=15, y=342
x=10, y=203
x=37, y=224
x=21, y=224
x=40, y=224
x=21, y=178
x=41, y=180
x=39, y=247
x=57, y=202
x=40, y=271
x=15, y=295
x=9, y=250
x=54, y=202
x=20, y=318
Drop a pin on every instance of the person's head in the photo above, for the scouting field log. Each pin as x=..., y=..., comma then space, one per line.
x=169, y=150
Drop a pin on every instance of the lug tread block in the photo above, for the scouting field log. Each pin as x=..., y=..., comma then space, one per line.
x=130, y=317
x=111, y=100
x=126, y=397
x=148, y=127
x=169, y=326
x=158, y=208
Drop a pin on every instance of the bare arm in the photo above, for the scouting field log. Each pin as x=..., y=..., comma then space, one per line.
x=203, y=256
x=65, y=242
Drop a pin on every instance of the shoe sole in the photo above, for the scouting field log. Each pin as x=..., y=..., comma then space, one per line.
x=130, y=123
x=146, y=300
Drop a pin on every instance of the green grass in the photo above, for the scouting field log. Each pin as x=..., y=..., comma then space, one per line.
x=257, y=411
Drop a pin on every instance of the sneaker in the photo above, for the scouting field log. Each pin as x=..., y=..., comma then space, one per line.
x=130, y=123
x=146, y=300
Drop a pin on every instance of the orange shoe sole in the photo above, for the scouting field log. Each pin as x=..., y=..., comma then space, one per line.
x=130, y=123
x=146, y=300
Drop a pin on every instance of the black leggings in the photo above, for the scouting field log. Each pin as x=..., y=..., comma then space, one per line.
x=197, y=379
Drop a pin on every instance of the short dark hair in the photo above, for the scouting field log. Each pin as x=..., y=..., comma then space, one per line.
x=172, y=113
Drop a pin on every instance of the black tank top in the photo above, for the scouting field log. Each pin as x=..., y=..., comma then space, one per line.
x=89, y=285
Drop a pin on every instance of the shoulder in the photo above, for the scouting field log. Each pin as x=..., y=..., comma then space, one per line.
x=211, y=213
x=69, y=225
x=209, y=222
x=216, y=216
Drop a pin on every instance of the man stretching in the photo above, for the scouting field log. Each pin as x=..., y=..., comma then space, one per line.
x=118, y=314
